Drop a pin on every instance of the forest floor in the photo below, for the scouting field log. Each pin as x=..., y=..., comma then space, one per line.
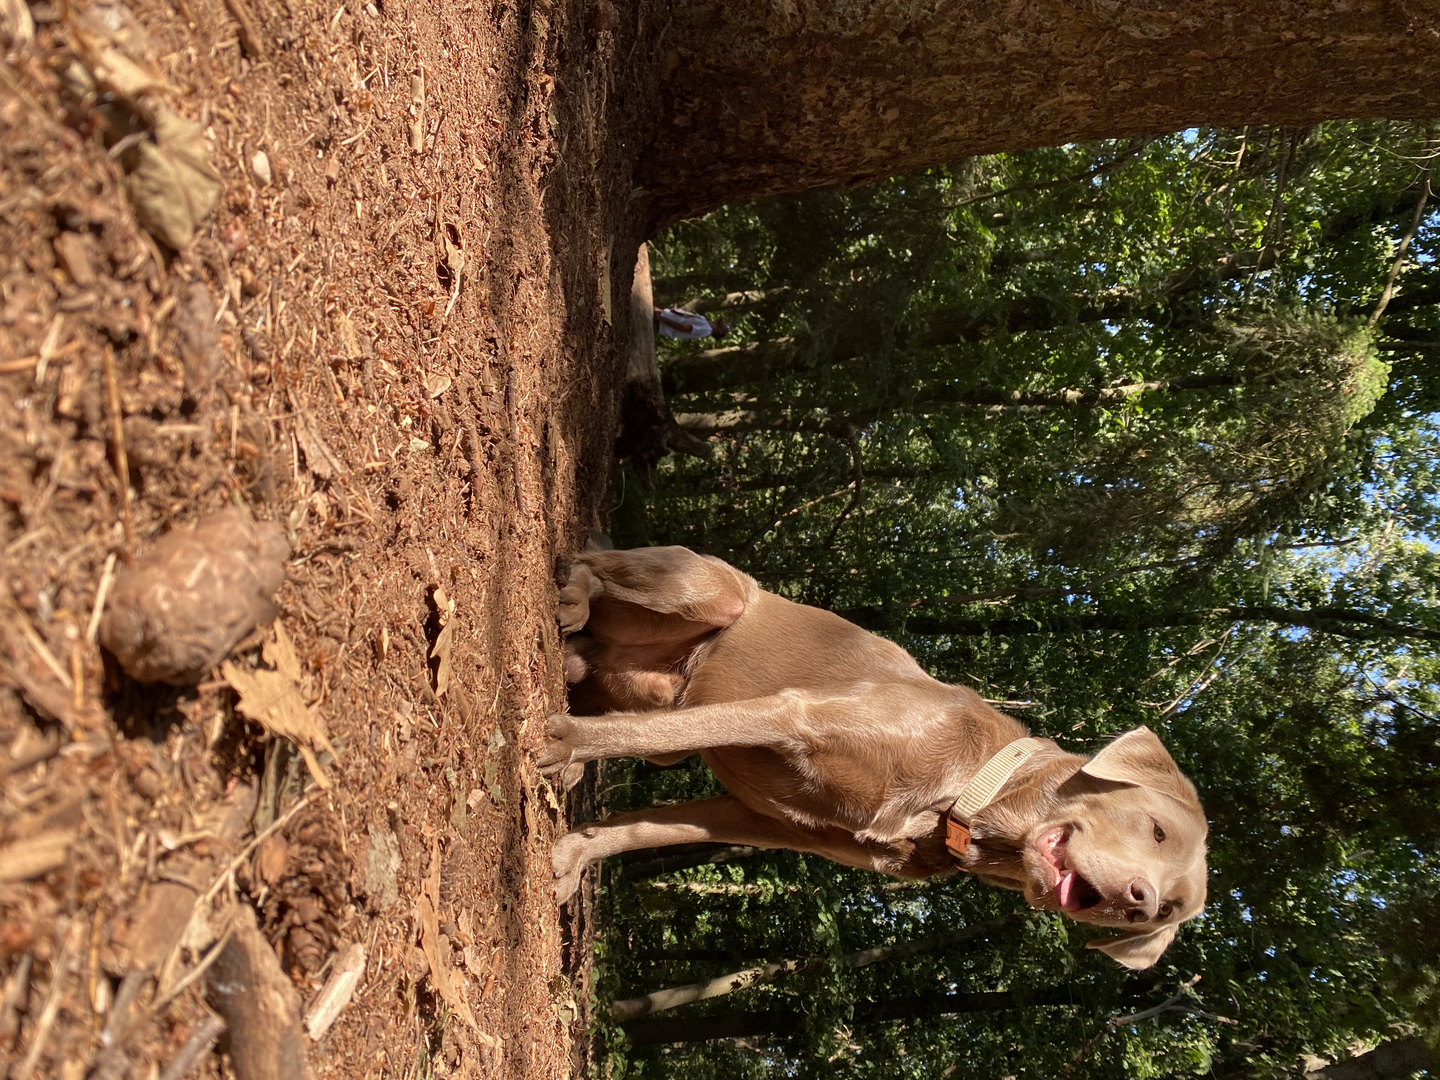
x=391, y=335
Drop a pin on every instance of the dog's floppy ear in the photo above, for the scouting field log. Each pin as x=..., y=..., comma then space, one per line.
x=1135, y=951
x=1139, y=758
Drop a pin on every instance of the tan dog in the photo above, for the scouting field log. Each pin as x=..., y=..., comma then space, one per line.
x=833, y=741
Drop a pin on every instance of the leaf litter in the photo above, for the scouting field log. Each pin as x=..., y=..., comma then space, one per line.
x=271, y=697
x=174, y=334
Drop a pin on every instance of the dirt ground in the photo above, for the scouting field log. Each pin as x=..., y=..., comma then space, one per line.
x=391, y=336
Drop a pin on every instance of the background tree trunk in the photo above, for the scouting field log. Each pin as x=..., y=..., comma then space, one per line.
x=761, y=98
x=1388, y=1061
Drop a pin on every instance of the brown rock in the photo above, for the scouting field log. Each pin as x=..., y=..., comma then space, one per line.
x=179, y=610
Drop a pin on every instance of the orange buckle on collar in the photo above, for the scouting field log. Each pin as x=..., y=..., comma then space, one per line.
x=957, y=838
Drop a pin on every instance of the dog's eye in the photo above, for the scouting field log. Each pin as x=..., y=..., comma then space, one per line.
x=1159, y=833
x=1164, y=910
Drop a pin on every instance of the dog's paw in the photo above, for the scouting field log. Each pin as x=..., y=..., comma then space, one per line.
x=575, y=666
x=573, y=774
x=559, y=751
x=569, y=861
x=575, y=596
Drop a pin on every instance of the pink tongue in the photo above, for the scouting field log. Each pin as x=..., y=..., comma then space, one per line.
x=1067, y=889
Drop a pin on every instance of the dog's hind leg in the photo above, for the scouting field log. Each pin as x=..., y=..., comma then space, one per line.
x=724, y=820
x=652, y=595
x=633, y=620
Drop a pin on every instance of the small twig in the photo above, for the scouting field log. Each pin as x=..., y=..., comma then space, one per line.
x=857, y=481
x=1196, y=686
x=490, y=982
x=1115, y=1023
x=193, y=974
x=1388, y=293
x=15, y=990
x=249, y=33
x=1124, y=157
x=106, y=576
x=31, y=635
x=117, y=1024
x=117, y=434
x=205, y=1033
x=236, y=862
x=1277, y=208
x=203, y=904
x=52, y=1003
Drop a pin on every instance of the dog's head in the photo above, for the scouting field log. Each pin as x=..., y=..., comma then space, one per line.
x=1123, y=846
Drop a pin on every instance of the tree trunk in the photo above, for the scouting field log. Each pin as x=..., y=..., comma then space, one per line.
x=982, y=399
x=654, y=866
x=647, y=429
x=1389, y=1061
x=786, y=1022
x=762, y=98
x=672, y=997
x=1342, y=622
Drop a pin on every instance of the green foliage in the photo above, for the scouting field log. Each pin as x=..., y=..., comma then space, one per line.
x=1131, y=395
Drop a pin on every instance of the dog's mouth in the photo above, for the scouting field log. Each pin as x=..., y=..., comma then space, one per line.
x=1072, y=889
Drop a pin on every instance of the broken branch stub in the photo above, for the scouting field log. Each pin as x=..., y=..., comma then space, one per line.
x=259, y=1004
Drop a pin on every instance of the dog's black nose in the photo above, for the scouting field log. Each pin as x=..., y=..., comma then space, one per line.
x=1140, y=896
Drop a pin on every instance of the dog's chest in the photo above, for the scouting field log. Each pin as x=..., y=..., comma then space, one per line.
x=847, y=793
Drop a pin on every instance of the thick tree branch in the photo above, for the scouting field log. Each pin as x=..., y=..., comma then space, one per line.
x=1391, y=1060
x=660, y=1000
x=945, y=399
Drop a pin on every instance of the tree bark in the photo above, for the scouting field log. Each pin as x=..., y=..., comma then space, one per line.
x=732, y=365
x=1342, y=622
x=979, y=399
x=672, y=997
x=787, y=1022
x=681, y=859
x=1391, y=1060
x=762, y=98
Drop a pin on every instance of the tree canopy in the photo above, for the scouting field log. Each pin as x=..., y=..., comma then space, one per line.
x=1125, y=432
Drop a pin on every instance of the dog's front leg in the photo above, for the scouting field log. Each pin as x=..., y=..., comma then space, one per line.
x=723, y=820
x=777, y=721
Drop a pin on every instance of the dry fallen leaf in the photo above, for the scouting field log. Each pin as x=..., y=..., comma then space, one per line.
x=425, y=914
x=323, y=461
x=349, y=339
x=454, y=256
x=174, y=187
x=272, y=860
x=197, y=338
x=272, y=699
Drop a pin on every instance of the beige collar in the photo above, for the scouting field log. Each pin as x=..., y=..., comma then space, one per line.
x=981, y=791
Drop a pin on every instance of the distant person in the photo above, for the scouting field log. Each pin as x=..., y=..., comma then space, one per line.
x=674, y=322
